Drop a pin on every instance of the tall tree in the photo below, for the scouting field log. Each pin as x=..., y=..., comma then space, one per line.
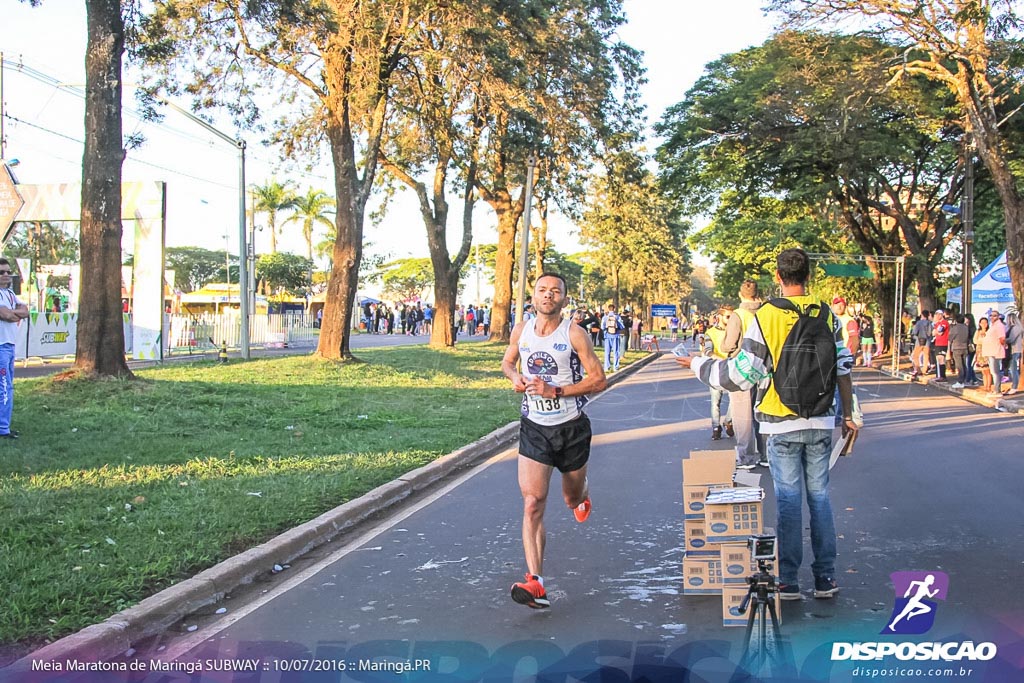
x=99, y=348
x=971, y=47
x=581, y=88
x=407, y=278
x=311, y=209
x=194, y=267
x=809, y=118
x=271, y=199
x=637, y=238
x=45, y=240
x=282, y=273
x=342, y=55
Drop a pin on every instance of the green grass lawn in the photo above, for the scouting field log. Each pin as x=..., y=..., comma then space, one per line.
x=118, y=489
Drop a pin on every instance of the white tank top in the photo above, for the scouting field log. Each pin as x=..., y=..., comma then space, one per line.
x=553, y=358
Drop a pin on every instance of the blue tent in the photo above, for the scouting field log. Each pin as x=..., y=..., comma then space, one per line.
x=991, y=289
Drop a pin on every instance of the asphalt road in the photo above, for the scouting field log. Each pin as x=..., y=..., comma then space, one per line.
x=934, y=485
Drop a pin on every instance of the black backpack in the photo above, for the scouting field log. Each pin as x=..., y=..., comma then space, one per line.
x=805, y=372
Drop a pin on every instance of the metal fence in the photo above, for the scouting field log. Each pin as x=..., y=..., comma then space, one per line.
x=188, y=334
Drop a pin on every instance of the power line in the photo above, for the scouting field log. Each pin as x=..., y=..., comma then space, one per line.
x=129, y=158
x=46, y=79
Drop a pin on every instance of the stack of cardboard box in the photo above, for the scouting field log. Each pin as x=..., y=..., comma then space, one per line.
x=722, y=509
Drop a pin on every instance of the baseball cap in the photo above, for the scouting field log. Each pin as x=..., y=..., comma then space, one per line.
x=838, y=300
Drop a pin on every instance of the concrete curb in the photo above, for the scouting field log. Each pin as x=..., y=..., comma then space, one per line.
x=153, y=615
x=1013, y=405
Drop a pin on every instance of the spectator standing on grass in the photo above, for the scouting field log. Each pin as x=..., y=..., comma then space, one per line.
x=612, y=325
x=627, y=330
x=12, y=312
x=638, y=328
x=799, y=448
x=959, y=340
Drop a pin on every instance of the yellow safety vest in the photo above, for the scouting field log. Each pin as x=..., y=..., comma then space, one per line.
x=717, y=336
x=746, y=317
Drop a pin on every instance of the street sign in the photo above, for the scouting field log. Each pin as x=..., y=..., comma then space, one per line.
x=10, y=201
x=663, y=310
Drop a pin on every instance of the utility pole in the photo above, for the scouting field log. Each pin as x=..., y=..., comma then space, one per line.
x=239, y=144
x=3, y=137
x=524, y=247
x=967, y=216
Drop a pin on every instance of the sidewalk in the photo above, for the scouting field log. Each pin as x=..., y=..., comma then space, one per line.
x=1006, y=404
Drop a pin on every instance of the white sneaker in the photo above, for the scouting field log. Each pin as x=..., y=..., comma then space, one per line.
x=956, y=385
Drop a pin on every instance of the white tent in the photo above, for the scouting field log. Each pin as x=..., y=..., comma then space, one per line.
x=991, y=289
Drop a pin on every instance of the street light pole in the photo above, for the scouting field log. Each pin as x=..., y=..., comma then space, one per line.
x=239, y=144
x=967, y=216
x=524, y=248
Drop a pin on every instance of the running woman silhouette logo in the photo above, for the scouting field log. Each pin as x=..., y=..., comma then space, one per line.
x=916, y=592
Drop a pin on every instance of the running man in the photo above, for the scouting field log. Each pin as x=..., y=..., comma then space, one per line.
x=915, y=606
x=554, y=431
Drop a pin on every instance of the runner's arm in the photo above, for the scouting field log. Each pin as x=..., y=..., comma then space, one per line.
x=510, y=361
x=594, y=379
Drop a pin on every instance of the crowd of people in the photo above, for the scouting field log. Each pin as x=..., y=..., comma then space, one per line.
x=944, y=343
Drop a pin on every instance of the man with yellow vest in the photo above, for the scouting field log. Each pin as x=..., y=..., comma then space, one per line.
x=741, y=403
x=797, y=416
x=714, y=347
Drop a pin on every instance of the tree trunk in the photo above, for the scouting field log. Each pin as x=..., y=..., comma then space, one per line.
x=446, y=290
x=100, y=345
x=926, y=289
x=335, y=327
x=991, y=147
x=508, y=217
x=615, y=286
x=273, y=234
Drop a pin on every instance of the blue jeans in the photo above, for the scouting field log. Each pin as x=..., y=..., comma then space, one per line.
x=716, y=408
x=6, y=386
x=611, y=348
x=800, y=460
x=995, y=366
x=1014, y=370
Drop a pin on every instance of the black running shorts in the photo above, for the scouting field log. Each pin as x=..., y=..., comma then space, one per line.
x=565, y=446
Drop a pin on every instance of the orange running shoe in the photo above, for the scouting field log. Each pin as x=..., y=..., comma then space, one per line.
x=582, y=511
x=530, y=593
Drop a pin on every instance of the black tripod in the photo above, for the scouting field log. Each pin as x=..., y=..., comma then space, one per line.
x=762, y=594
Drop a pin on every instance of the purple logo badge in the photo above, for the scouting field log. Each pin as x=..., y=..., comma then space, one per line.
x=916, y=593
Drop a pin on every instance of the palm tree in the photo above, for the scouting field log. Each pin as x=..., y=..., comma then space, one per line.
x=316, y=206
x=270, y=199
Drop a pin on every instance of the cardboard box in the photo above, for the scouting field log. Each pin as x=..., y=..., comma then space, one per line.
x=694, y=497
x=737, y=564
x=702, y=470
x=732, y=596
x=733, y=515
x=696, y=545
x=702, y=575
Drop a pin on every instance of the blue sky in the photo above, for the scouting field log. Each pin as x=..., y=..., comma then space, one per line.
x=678, y=38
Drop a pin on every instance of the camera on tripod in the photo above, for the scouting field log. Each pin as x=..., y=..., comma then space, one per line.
x=762, y=547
